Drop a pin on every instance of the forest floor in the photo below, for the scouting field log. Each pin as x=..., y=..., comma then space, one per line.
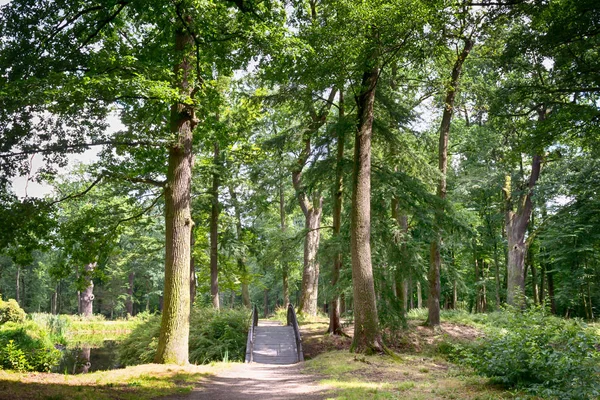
x=418, y=373
x=330, y=372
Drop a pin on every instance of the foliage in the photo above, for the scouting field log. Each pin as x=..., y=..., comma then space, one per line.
x=11, y=312
x=57, y=325
x=550, y=357
x=27, y=347
x=214, y=336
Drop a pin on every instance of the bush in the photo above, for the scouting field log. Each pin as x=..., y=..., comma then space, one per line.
x=214, y=336
x=27, y=347
x=11, y=312
x=547, y=356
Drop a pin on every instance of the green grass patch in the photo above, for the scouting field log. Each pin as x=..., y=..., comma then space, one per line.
x=350, y=376
x=132, y=383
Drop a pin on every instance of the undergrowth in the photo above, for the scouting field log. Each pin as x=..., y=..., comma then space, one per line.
x=215, y=335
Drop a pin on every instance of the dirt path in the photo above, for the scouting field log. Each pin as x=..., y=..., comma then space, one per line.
x=257, y=382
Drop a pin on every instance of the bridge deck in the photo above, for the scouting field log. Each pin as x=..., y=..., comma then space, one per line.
x=274, y=344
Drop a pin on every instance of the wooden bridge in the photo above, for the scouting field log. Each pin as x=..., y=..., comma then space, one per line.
x=271, y=343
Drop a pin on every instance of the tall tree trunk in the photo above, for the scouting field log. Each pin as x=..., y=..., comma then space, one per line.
x=284, y=266
x=419, y=295
x=174, y=331
x=516, y=227
x=312, y=208
x=435, y=262
x=87, y=296
x=367, y=336
x=542, y=281
x=266, y=302
x=551, y=291
x=129, y=302
x=400, y=272
x=193, y=281
x=335, y=327
x=214, y=232
x=241, y=262
x=54, y=303
x=497, y=274
x=18, y=286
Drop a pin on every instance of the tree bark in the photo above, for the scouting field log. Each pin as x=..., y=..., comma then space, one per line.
x=87, y=296
x=129, y=302
x=214, y=232
x=433, y=301
x=335, y=326
x=193, y=281
x=400, y=280
x=312, y=208
x=551, y=291
x=241, y=262
x=367, y=336
x=284, y=266
x=18, y=286
x=516, y=227
x=174, y=332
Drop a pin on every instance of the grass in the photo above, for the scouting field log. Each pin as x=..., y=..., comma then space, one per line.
x=140, y=382
x=351, y=376
x=420, y=373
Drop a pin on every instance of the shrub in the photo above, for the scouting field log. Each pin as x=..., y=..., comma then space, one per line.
x=27, y=347
x=542, y=354
x=214, y=336
x=140, y=346
x=11, y=312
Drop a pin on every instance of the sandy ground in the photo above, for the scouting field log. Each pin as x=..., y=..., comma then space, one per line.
x=258, y=381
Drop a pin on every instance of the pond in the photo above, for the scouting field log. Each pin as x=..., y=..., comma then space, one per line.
x=82, y=358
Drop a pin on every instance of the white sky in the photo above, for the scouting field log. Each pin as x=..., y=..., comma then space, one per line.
x=23, y=188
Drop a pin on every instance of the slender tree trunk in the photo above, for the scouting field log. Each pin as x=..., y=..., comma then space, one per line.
x=435, y=263
x=18, y=286
x=419, y=295
x=241, y=261
x=129, y=302
x=551, y=291
x=193, y=281
x=542, y=282
x=87, y=296
x=266, y=302
x=590, y=304
x=335, y=327
x=214, y=232
x=367, y=336
x=54, y=305
x=400, y=272
x=310, y=275
x=174, y=332
x=312, y=208
x=497, y=274
x=284, y=265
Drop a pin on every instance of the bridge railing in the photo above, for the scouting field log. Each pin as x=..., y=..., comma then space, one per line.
x=293, y=321
x=250, y=341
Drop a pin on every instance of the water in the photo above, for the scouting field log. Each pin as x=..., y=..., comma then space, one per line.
x=85, y=358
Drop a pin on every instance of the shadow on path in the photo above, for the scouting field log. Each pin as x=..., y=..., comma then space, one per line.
x=258, y=381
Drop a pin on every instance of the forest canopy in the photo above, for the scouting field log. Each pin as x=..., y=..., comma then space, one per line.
x=359, y=158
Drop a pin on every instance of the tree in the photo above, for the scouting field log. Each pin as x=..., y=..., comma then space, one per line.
x=84, y=63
